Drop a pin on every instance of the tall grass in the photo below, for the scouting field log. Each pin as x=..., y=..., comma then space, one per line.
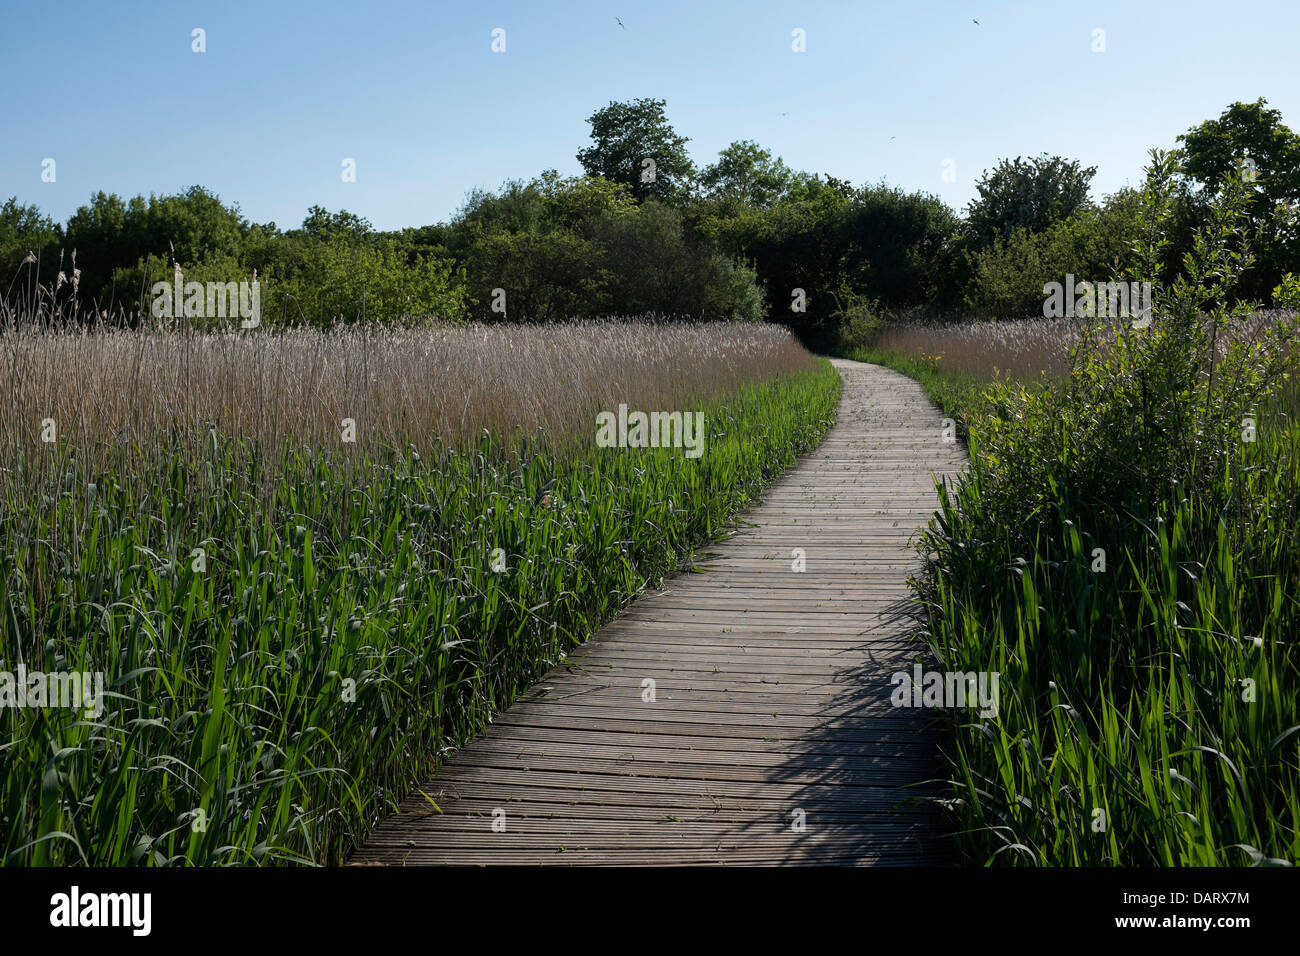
x=350, y=617
x=105, y=386
x=984, y=352
x=1026, y=350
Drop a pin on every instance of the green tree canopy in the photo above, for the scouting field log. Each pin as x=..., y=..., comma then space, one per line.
x=746, y=173
x=1250, y=138
x=633, y=144
x=323, y=224
x=24, y=229
x=1027, y=194
x=188, y=227
x=1245, y=132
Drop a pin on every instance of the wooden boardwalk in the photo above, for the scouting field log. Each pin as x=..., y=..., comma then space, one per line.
x=771, y=690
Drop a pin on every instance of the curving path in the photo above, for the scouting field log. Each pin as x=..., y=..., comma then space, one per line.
x=771, y=738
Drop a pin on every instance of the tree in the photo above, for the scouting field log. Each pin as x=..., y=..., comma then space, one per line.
x=100, y=233
x=188, y=227
x=654, y=266
x=25, y=229
x=1251, y=138
x=635, y=145
x=547, y=277
x=798, y=249
x=194, y=224
x=1245, y=134
x=24, y=222
x=900, y=249
x=1094, y=244
x=323, y=224
x=745, y=173
x=578, y=201
x=1027, y=194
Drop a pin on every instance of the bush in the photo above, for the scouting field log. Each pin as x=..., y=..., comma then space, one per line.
x=654, y=266
x=547, y=277
x=1094, y=244
x=321, y=281
x=580, y=248
x=857, y=322
x=1145, y=408
x=1127, y=563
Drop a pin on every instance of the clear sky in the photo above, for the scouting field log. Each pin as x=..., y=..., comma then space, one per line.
x=412, y=91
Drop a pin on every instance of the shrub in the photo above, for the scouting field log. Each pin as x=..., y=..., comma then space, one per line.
x=320, y=282
x=1127, y=563
x=1094, y=244
x=857, y=322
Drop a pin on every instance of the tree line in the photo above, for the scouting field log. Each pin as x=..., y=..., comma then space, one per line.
x=644, y=231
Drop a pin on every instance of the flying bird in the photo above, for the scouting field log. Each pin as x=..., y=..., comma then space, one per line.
x=620, y=23
x=974, y=21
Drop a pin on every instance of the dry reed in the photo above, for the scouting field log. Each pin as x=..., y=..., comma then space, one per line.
x=103, y=387
x=1024, y=349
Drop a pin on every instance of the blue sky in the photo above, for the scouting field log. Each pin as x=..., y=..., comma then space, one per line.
x=413, y=93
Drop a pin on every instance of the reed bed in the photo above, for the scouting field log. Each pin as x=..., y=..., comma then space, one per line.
x=103, y=386
x=1022, y=350
x=984, y=351
x=291, y=630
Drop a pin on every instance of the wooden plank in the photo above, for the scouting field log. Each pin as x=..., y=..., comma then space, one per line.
x=587, y=713
x=611, y=803
x=600, y=703
x=707, y=736
x=609, y=787
x=913, y=743
x=772, y=690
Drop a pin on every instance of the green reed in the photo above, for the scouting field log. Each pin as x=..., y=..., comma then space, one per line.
x=270, y=699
